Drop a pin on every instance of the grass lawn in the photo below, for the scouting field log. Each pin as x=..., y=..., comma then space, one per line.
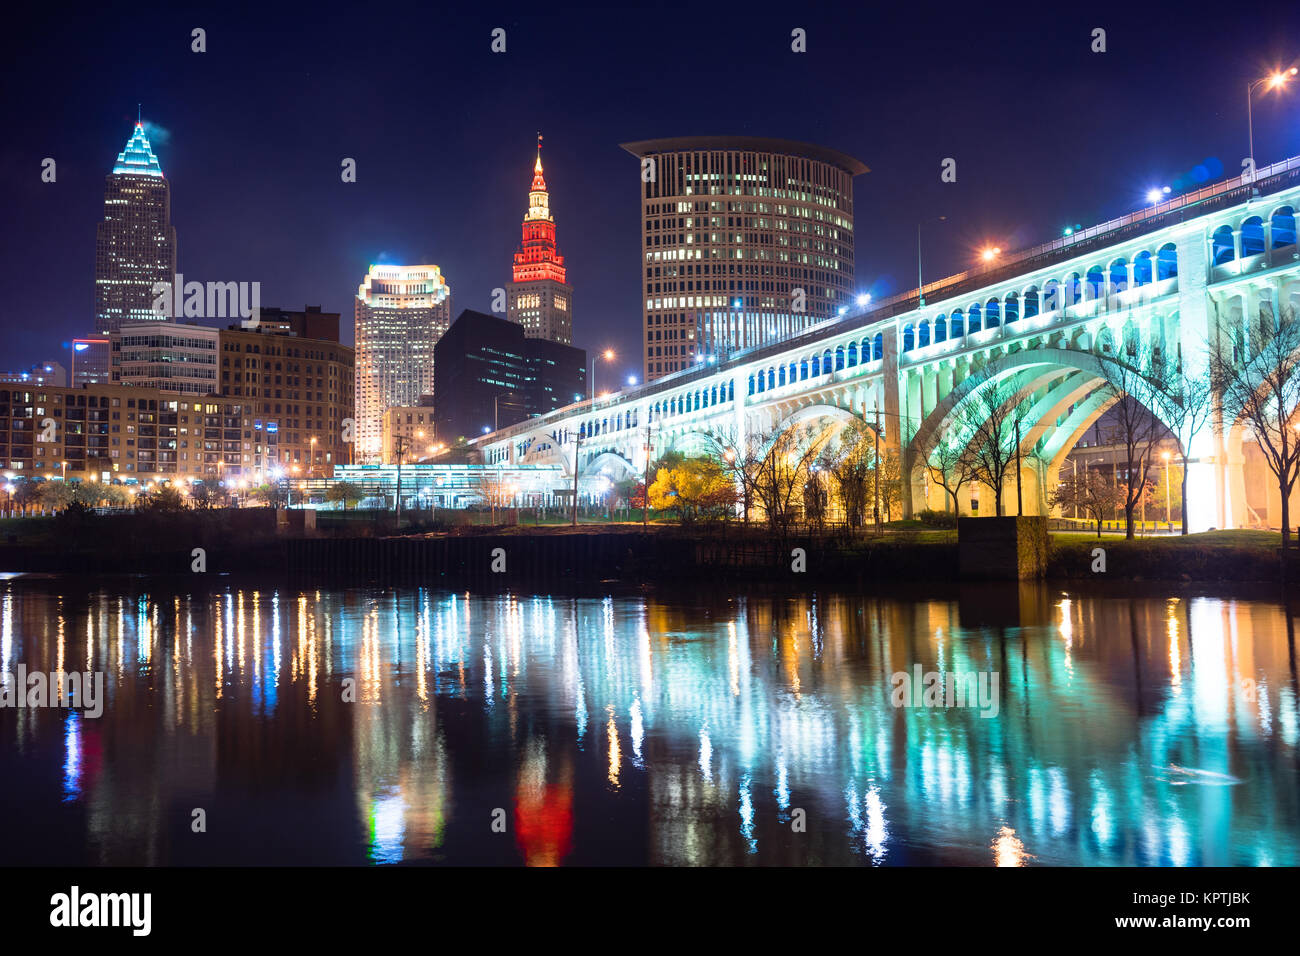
x=1244, y=539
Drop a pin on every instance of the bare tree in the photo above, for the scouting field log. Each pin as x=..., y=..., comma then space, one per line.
x=888, y=469
x=1262, y=390
x=992, y=420
x=1090, y=493
x=782, y=472
x=950, y=466
x=1185, y=404
x=1135, y=377
x=741, y=460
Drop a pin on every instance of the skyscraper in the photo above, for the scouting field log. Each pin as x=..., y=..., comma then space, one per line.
x=135, y=244
x=401, y=312
x=744, y=241
x=539, y=298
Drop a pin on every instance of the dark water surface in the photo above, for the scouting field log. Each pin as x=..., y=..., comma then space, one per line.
x=723, y=729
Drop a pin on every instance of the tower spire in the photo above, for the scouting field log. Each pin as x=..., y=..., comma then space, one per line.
x=139, y=114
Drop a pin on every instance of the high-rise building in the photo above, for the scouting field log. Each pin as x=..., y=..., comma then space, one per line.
x=744, y=241
x=135, y=244
x=539, y=297
x=401, y=312
x=491, y=375
x=169, y=356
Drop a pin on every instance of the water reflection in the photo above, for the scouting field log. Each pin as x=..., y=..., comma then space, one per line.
x=409, y=725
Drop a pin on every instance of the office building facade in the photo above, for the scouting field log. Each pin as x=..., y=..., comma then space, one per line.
x=300, y=393
x=744, y=241
x=168, y=356
x=491, y=375
x=124, y=432
x=92, y=361
x=410, y=430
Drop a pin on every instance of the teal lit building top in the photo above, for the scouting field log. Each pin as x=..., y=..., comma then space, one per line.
x=138, y=157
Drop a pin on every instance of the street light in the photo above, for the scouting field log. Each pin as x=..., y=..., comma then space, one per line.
x=608, y=356
x=1275, y=80
x=990, y=253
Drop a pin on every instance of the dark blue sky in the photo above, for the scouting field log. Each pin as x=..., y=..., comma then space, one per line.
x=1045, y=133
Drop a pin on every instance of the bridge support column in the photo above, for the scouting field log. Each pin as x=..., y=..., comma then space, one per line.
x=896, y=401
x=1208, y=502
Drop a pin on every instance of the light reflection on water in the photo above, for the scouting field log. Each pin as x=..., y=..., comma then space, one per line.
x=411, y=725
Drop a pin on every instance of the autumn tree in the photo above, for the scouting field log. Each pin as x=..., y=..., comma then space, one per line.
x=850, y=467
x=695, y=488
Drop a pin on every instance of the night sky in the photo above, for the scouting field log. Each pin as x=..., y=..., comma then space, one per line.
x=251, y=134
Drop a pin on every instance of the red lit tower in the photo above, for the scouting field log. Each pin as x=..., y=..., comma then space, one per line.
x=540, y=300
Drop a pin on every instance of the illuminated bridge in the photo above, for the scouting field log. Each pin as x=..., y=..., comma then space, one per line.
x=1197, y=269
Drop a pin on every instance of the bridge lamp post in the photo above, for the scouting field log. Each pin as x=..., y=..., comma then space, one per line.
x=645, y=481
x=1275, y=80
x=920, y=286
x=1168, y=519
x=990, y=253
x=577, y=449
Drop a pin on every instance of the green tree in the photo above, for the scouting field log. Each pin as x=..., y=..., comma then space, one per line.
x=345, y=492
x=27, y=493
x=56, y=495
x=164, y=499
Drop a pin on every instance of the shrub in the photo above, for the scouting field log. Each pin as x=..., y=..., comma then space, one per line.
x=937, y=519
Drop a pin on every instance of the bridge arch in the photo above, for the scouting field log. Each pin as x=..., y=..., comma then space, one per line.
x=1069, y=390
x=611, y=465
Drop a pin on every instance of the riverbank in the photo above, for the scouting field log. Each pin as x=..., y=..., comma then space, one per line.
x=251, y=540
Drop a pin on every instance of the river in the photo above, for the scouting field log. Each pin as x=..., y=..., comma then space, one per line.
x=264, y=723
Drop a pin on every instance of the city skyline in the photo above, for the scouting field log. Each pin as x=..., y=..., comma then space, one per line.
x=287, y=221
